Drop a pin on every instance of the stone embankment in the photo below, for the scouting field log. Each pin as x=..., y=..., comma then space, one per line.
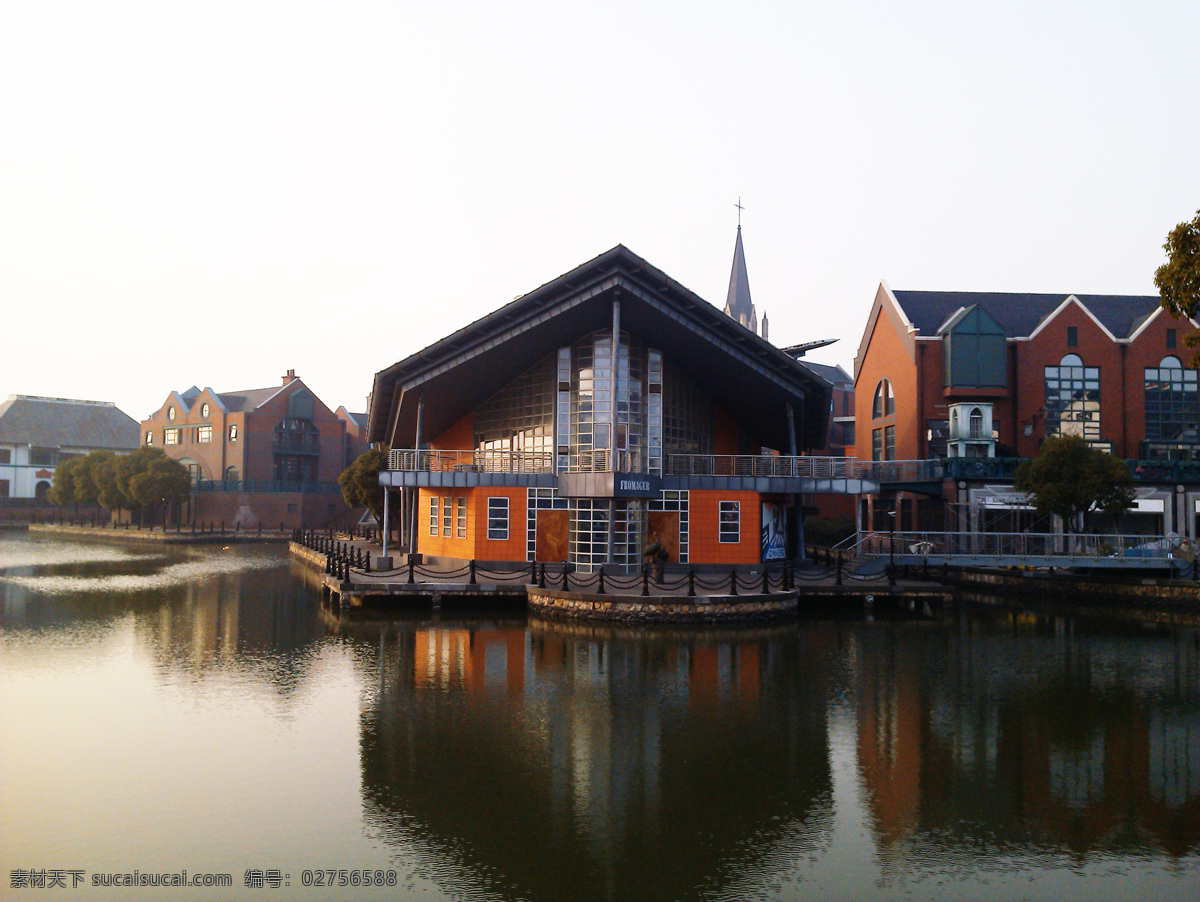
x=156, y=536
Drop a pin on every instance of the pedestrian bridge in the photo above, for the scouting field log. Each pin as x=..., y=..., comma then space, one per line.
x=1016, y=549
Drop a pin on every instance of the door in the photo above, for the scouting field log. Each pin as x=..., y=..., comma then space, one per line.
x=666, y=524
x=550, y=535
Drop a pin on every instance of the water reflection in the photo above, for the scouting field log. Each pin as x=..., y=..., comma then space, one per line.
x=990, y=755
x=549, y=759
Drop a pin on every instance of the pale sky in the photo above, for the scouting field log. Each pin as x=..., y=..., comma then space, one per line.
x=212, y=193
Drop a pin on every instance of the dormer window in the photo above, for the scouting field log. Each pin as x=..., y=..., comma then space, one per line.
x=170, y=413
x=204, y=409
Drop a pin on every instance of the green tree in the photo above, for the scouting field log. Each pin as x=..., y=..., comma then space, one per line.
x=87, y=487
x=163, y=482
x=1178, y=280
x=1068, y=477
x=360, y=481
x=62, y=486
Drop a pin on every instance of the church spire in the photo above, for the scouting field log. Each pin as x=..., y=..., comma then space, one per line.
x=737, y=301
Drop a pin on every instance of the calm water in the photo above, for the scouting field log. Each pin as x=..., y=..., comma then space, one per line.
x=171, y=710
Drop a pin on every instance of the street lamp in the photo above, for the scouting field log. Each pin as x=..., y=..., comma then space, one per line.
x=892, y=542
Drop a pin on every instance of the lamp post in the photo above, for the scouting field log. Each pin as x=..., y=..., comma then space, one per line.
x=892, y=539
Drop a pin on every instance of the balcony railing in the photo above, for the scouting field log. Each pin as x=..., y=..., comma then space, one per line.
x=471, y=461
x=265, y=485
x=753, y=465
x=1022, y=546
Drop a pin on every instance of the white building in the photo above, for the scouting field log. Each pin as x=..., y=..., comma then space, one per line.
x=36, y=434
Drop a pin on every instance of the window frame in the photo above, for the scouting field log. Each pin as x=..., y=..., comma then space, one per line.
x=433, y=515
x=497, y=506
x=460, y=517
x=447, y=517
x=204, y=434
x=729, y=522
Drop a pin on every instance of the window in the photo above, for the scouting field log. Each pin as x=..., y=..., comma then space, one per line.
x=149, y=437
x=729, y=527
x=6, y=455
x=1170, y=338
x=170, y=413
x=204, y=409
x=1072, y=337
x=1172, y=407
x=976, y=421
x=1072, y=393
x=889, y=442
x=3, y=488
x=447, y=518
x=41, y=457
x=171, y=436
x=232, y=474
x=876, y=444
x=433, y=516
x=204, y=434
x=497, y=518
x=233, y=432
x=460, y=517
x=884, y=403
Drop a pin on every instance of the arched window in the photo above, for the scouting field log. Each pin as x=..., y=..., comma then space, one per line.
x=232, y=474
x=204, y=409
x=193, y=468
x=976, y=423
x=170, y=413
x=954, y=424
x=884, y=403
x=1072, y=393
x=1172, y=410
x=40, y=490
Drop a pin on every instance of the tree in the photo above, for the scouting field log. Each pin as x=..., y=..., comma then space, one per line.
x=1068, y=477
x=87, y=485
x=1178, y=280
x=132, y=465
x=62, y=486
x=360, y=481
x=163, y=481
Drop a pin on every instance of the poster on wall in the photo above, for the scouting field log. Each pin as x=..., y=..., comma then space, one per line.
x=774, y=532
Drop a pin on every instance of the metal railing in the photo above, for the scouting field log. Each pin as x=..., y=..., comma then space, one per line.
x=803, y=467
x=265, y=485
x=471, y=461
x=1026, y=545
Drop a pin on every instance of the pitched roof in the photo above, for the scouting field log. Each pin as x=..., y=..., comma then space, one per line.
x=1020, y=314
x=66, y=423
x=747, y=375
x=831, y=374
x=248, y=399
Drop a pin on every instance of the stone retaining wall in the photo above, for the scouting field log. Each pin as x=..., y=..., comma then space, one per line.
x=655, y=609
x=308, y=555
x=155, y=537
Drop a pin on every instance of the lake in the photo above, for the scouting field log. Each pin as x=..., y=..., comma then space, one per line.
x=166, y=710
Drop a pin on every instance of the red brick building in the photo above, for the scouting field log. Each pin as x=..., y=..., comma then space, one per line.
x=988, y=376
x=269, y=455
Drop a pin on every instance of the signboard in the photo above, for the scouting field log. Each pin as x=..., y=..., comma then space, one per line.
x=636, y=485
x=774, y=531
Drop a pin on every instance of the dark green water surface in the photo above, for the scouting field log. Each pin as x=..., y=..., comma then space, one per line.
x=166, y=710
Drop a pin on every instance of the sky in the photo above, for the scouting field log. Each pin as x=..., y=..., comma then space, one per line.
x=212, y=193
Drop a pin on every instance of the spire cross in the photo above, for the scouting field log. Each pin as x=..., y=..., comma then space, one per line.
x=740, y=208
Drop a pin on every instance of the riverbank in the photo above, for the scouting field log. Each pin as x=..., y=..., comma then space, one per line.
x=156, y=535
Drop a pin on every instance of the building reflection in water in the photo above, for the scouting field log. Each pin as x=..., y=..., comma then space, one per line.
x=1026, y=732
x=548, y=758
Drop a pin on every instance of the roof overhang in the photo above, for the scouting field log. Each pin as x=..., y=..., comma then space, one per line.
x=748, y=376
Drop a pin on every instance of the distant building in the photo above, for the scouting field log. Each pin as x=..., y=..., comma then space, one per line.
x=267, y=455
x=36, y=434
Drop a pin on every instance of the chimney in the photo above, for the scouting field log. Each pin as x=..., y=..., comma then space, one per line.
x=290, y=377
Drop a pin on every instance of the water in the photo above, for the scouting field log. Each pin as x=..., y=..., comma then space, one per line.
x=166, y=710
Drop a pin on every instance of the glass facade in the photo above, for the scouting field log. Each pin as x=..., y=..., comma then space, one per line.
x=1072, y=393
x=520, y=417
x=1172, y=411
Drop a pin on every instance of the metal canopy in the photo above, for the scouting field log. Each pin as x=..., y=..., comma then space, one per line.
x=749, y=377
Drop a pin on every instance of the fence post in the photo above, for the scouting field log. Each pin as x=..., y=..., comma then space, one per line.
x=645, y=579
x=692, y=581
x=411, y=568
x=471, y=565
x=565, y=584
x=837, y=581
x=542, y=577
x=601, y=588
x=733, y=581
x=367, y=561
x=328, y=563
x=766, y=589
x=891, y=574
x=533, y=573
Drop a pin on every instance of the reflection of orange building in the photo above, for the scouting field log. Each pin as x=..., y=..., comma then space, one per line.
x=470, y=659
x=889, y=735
x=723, y=671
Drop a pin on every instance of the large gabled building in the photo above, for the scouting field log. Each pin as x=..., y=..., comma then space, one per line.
x=263, y=455
x=982, y=378
x=599, y=410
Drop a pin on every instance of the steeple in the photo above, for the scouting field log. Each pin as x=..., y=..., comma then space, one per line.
x=737, y=301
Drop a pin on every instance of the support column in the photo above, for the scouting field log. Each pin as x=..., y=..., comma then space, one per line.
x=612, y=427
x=412, y=531
x=387, y=527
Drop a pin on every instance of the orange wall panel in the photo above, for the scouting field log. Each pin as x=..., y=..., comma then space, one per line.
x=704, y=545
